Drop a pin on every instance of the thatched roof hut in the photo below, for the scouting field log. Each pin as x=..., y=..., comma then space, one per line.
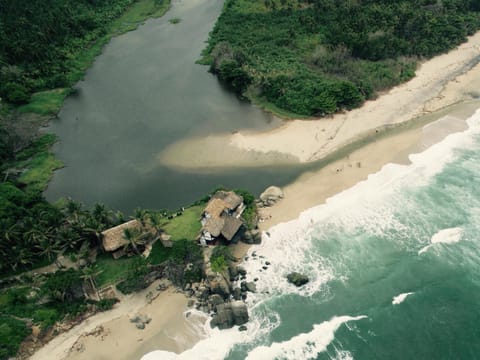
x=214, y=226
x=231, y=200
x=113, y=239
x=230, y=227
x=219, y=217
x=215, y=207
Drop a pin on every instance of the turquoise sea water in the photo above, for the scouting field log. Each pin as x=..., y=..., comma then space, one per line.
x=394, y=265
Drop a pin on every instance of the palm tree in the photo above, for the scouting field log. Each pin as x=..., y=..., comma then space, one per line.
x=135, y=238
x=102, y=215
x=20, y=257
x=154, y=220
x=141, y=215
x=49, y=248
x=73, y=210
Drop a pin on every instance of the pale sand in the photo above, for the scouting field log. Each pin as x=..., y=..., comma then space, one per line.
x=432, y=89
x=440, y=82
x=314, y=188
x=120, y=339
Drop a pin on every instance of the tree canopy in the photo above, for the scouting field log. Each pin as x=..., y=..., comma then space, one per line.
x=40, y=40
x=315, y=57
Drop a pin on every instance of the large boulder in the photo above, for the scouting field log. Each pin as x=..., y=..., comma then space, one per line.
x=271, y=195
x=223, y=319
x=297, y=279
x=230, y=314
x=240, y=312
x=220, y=284
x=252, y=237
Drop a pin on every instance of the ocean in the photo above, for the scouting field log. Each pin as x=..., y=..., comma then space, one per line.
x=394, y=264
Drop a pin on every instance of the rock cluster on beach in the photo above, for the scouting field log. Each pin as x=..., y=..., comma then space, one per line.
x=140, y=321
x=216, y=294
x=270, y=196
x=252, y=237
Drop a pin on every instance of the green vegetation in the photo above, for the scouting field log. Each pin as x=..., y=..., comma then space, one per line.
x=49, y=46
x=135, y=276
x=185, y=226
x=12, y=333
x=310, y=58
x=220, y=258
x=45, y=102
x=250, y=213
x=174, y=20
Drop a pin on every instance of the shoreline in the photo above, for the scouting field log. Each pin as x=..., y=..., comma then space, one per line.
x=169, y=329
x=440, y=82
x=314, y=188
x=112, y=332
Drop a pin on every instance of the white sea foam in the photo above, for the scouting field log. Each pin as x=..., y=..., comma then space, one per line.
x=343, y=355
x=288, y=247
x=400, y=298
x=445, y=236
x=303, y=346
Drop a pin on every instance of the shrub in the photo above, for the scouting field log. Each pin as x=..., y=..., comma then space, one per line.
x=46, y=317
x=12, y=333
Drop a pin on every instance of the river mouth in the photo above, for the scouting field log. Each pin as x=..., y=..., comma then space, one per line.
x=142, y=94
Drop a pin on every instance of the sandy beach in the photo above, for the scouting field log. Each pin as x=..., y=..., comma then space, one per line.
x=111, y=335
x=445, y=80
x=439, y=82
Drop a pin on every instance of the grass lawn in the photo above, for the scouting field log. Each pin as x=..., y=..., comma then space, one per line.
x=186, y=226
x=111, y=270
x=45, y=102
x=39, y=163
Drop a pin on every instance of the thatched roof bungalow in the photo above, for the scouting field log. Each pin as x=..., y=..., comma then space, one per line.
x=113, y=239
x=221, y=216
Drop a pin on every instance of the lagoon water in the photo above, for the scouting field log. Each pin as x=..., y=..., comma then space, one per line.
x=143, y=93
x=394, y=264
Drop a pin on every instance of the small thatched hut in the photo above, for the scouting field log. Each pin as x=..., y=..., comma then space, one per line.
x=221, y=216
x=113, y=239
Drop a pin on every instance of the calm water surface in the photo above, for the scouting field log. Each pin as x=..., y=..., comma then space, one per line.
x=143, y=93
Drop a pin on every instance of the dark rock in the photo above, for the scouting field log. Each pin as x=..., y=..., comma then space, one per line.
x=223, y=319
x=233, y=272
x=202, y=292
x=220, y=286
x=240, y=312
x=297, y=279
x=250, y=286
x=237, y=293
x=241, y=270
x=215, y=299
